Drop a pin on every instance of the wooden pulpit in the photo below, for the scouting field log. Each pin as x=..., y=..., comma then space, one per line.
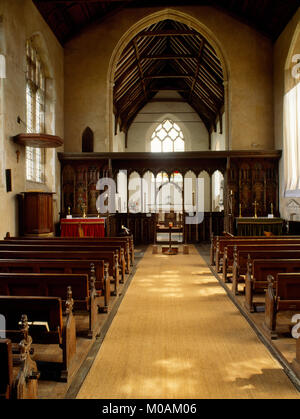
x=36, y=213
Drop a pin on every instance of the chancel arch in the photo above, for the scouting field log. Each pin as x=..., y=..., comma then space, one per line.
x=149, y=73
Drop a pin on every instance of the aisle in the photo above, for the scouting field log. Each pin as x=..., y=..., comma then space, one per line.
x=177, y=335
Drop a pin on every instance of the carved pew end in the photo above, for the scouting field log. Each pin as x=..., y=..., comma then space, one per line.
x=271, y=334
x=296, y=362
x=103, y=309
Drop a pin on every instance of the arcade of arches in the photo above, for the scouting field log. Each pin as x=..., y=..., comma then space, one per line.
x=181, y=109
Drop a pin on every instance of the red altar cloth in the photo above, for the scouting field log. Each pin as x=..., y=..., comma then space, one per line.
x=91, y=227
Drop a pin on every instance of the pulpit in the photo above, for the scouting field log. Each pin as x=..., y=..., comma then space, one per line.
x=258, y=226
x=36, y=213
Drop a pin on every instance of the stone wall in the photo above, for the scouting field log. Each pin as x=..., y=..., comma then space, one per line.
x=19, y=21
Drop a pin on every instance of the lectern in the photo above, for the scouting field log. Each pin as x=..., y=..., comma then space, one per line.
x=36, y=213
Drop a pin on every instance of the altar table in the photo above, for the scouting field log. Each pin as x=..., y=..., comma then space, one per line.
x=82, y=227
x=258, y=226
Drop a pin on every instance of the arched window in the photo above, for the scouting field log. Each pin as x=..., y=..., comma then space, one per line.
x=167, y=138
x=35, y=112
x=87, y=141
x=291, y=120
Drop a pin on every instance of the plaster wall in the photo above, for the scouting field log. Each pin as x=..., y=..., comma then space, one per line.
x=218, y=140
x=193, y=129
x=248, y=56
x=20, y=20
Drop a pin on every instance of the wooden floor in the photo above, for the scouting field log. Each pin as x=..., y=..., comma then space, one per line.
x=178, y=335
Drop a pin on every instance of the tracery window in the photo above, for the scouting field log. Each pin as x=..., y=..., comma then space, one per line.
x=167, y=138
x=35, y=112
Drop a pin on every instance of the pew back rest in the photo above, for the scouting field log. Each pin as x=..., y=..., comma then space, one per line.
x=288, y=287
x=256, y=253
x=60, y=247
x=67, y=266
x=42, y=309
x=259, y=241
x=264, y=267
x=107, y=256
x=44, y=285
x=6, y=367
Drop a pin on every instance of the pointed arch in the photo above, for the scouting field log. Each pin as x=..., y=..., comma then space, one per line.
x=142, y=24
x=88, y=140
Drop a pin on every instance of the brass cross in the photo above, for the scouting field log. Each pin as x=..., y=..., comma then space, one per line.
x=255, y=204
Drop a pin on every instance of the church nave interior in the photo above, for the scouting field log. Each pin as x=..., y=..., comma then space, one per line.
x=150, y=199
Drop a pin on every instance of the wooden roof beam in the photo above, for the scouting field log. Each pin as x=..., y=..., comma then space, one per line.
x=168, y=32
x=197, y=69
x=168, y=57
x=137, y=55
x=169, y=76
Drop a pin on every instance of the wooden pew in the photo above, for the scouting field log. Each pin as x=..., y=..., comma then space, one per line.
x=62, y=331
x=55, y=285
x=19, y=373
x=123, y=239
x=109, y=257
x=124, y=259
x=223, y=242
x=71, y=248
x=6, y=368
x=213, y=244
x=296, y=361
x=239, y=265
x=102, y=280
x=258, y=271
x=283, y=294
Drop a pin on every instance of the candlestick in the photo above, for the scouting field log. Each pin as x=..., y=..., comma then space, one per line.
x=255, y=204
x=83, y=209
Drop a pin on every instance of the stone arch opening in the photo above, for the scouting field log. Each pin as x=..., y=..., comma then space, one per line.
x=167, y=14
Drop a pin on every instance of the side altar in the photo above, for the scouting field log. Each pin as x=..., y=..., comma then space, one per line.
x=258, y=226
x=82, y=227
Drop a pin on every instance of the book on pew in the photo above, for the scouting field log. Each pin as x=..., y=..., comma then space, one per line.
x=43, y=326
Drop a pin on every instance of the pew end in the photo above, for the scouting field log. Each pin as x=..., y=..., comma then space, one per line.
x=296, y=361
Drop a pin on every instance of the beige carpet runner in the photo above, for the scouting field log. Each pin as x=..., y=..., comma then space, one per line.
x=177, y=335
